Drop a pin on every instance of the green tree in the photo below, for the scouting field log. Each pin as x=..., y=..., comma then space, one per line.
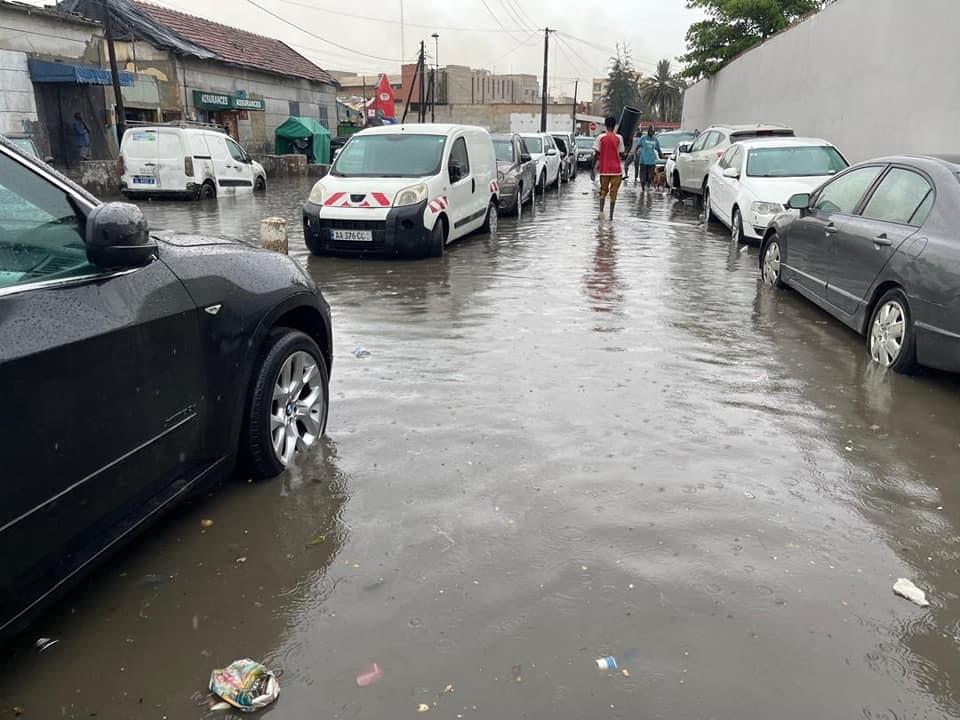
x=661, y=94
x=622, y=83
x=734, y=26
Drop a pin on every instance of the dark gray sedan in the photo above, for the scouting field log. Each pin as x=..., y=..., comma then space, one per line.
x=877, y=247
x=516, y=172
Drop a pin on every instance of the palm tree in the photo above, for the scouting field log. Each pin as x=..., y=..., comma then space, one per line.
x=662, y=93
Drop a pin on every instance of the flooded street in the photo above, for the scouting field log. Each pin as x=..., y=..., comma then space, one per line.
x=576, y=440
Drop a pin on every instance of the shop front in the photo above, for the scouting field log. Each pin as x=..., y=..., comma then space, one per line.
x=226, y=109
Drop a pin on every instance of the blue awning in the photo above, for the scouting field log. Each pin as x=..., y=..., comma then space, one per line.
x=44, y=71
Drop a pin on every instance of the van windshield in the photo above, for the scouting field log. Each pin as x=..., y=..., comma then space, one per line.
x=393, y=155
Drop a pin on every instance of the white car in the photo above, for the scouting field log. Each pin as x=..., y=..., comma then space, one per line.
x=199, y=163
x=754, y=179
x=544, y=151
x=404, y=190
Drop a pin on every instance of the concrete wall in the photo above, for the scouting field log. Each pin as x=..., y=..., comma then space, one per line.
x=43, y=35
x=18, y=108
x=257, y=133
x=874, y=77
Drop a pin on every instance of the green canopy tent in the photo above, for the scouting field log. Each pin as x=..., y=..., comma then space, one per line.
x=304, y=136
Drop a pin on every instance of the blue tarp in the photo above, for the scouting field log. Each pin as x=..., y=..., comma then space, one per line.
x=44, y=71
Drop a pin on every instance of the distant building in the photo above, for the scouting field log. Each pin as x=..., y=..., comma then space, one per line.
x=461, y=85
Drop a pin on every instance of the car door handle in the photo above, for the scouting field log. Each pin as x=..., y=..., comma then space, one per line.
x=149, y=164
x=830, y=229
x=882, y=240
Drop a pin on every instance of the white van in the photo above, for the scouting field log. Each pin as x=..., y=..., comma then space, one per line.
x=404, y=190
x=186, y=162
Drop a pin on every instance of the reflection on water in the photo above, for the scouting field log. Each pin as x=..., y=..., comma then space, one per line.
x=724, y=509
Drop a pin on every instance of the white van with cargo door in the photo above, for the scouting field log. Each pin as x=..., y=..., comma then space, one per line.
x=186, y=162
x=404, y=190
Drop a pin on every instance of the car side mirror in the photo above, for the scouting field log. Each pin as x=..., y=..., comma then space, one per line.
x=552, y=151
x=117, y=236
x=525, y=157
x=732, y=173
x=456, y=171
x=683, y=148
x=800, y=201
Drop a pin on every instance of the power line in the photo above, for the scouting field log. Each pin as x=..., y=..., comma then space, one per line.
x=492, y=14
x=514, y=17
x=340, y=13
x=598, y=48
x=525, y=19
x=318, y=37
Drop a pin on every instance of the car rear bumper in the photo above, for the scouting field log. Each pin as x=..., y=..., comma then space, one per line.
x=192, y=191
x=401, y=234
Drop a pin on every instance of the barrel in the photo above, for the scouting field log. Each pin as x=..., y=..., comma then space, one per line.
x=628, y=125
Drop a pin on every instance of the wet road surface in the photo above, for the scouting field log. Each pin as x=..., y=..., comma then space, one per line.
x=575, y=440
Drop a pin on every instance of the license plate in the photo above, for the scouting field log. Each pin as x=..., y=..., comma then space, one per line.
x=353, y=235
x=143, y=180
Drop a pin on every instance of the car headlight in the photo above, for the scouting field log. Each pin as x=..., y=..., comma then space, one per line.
x=316, y=195
x=766, y=208
x=411, y=195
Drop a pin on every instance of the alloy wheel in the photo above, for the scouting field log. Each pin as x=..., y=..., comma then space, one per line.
x=296, y=413
x=771, y=263
x=888, y=333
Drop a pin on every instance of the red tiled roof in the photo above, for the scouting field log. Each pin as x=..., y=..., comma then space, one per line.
x=239, y=46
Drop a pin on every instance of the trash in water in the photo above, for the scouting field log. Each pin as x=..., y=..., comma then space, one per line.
x=361, y=352
x=422, y=708
x=18, y=710
x=369, y=675
x=744, y=248
x=44, y=644
x=206, y=523
x=905, y=588
x=240, y=560
x=625, y=672
x=245, y=684
x=517, y=671
x=749, y=495
x=449, y=688
x=318, y=540
x=151, y=579
x=607, y=663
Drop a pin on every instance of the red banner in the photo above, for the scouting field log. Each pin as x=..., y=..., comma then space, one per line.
x=383, y=100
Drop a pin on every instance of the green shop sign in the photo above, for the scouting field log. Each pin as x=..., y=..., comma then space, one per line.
x=205, y=100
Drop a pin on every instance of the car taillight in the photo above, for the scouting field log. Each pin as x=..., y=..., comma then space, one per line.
x=121, y=167
x=188, y=166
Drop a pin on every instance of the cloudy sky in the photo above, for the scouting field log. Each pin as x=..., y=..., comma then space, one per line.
x=471, y=31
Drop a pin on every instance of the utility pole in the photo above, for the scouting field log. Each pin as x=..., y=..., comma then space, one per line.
x=576, y=87
x=403, y=41
x=422, y=111
x=543, y=97
x=120, y=111
x=363, y=101
x=436, y=66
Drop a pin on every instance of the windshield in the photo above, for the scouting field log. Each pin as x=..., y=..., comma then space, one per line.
x=534, y=144
x=585, y=143
x=25, y=144
x=393, y=155
x=669, y=141
x=504, y=150
x=794, y=162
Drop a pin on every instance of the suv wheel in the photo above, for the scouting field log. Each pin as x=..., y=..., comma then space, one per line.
x=288, y=405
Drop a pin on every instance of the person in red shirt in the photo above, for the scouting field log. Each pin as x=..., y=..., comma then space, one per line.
x=608, y=152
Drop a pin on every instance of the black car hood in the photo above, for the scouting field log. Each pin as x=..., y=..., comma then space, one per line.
x=190, y=240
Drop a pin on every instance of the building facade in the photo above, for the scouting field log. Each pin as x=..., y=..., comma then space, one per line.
x=462, y=85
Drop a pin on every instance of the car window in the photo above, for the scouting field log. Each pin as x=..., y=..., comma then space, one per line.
x=551, y=145
x=236, y=152
x=795, y=161
x=729, y=157
x=561, y=144
x=535, y=144
x=218, y=148
x=698, y=145
x=713, y=140
x=458, y=154
x=922, y=212
x=523, y=146
x=843, y=194
x=198, y=146
x=898, y=197
x=140, y=144
x=41, y=233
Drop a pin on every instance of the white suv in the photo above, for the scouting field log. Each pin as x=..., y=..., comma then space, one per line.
x=693, y=162
x=543, y=150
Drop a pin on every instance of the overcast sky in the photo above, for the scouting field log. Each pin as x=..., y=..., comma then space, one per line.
x=470, y=31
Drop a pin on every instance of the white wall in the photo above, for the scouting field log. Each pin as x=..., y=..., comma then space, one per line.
x=41, y=34
x=530, y=122
x=875, y=77
x=18, y=108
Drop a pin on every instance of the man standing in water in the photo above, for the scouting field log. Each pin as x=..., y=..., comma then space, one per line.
x=648, y=152
x=607, y=153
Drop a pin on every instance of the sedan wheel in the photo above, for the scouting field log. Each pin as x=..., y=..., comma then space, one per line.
x=771, y=263
x=707, y=210
x=288, y=408
x=736, y=227
x=891, y=338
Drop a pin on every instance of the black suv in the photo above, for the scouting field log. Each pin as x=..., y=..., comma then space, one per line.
x=135, y=368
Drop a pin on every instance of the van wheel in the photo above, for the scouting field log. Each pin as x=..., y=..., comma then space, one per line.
x=490, y=223
x=260, y=185
x=438, y=240
x=208, y=191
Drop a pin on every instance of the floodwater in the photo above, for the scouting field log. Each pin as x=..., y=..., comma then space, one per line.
x=578, y=439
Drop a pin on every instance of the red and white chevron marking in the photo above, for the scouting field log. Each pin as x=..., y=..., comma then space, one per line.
x=370, y=200
x=437, y=205
x=495, y=188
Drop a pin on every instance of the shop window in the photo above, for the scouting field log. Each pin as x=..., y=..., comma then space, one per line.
x=324, y=120
x=295, y=108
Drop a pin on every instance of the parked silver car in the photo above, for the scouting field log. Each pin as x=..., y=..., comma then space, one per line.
x=516, y=172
